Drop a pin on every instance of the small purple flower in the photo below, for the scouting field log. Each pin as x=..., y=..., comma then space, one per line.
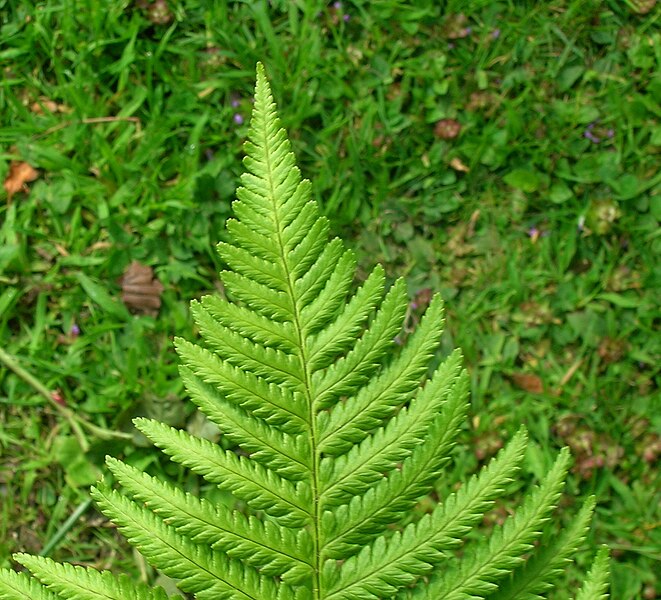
x=468, y=30
x=238, y=119
x=75, y=330
x=533, y=233
x=337, y=5
x=346, y=18
x=235, y=102
x=597, y=139
x=591, y=136
x=495, y=34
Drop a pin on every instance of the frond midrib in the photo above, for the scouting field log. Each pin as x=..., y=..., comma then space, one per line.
x=305, y=363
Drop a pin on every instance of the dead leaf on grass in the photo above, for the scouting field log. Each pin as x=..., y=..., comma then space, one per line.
x=456, y=26
x=20, y=173
x=46, y=104
x=141, y=292
x=528, y=382
x=458, y=165
x=447, y=129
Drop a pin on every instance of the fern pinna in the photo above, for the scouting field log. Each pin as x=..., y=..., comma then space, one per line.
x=341, y=434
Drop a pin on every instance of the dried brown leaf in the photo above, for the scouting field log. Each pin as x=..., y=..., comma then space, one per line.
x=49, y=105
x=20, y=173
x=456, y=26
x=528, y=382
x=458, y=165
x=447, y=129
x=141, y=292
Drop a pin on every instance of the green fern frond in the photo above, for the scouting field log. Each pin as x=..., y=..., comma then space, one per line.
x=595, y=586
x=336, y=434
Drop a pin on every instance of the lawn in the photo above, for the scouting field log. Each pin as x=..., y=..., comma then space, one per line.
x=503, y=153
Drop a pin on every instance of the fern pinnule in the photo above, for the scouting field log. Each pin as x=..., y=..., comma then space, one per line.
x=479, y=571
x=595, y=585
x=358, y=469
x=332, y=431
x=284, y=453
x=258, y=542
x=258, y=486
x=77, y=583
x=20, y=586
x=535, y=576
x=275, y=404
x=201, y=570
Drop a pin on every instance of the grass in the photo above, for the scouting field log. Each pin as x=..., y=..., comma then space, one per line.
x=539, y=223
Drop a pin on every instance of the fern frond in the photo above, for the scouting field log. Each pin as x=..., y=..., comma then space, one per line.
x=595, y=586
x=335, y=432
x=77, y=583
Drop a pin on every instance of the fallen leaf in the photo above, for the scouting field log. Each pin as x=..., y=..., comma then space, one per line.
x=528, y=382
x=58, y=398
x=446, y=129
x=19, y=174
x=480, y=100
x=456, y=27
x=642, y=7
x=458, y=165
x=51, y=106
x=140, y=291
x=159, y=12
